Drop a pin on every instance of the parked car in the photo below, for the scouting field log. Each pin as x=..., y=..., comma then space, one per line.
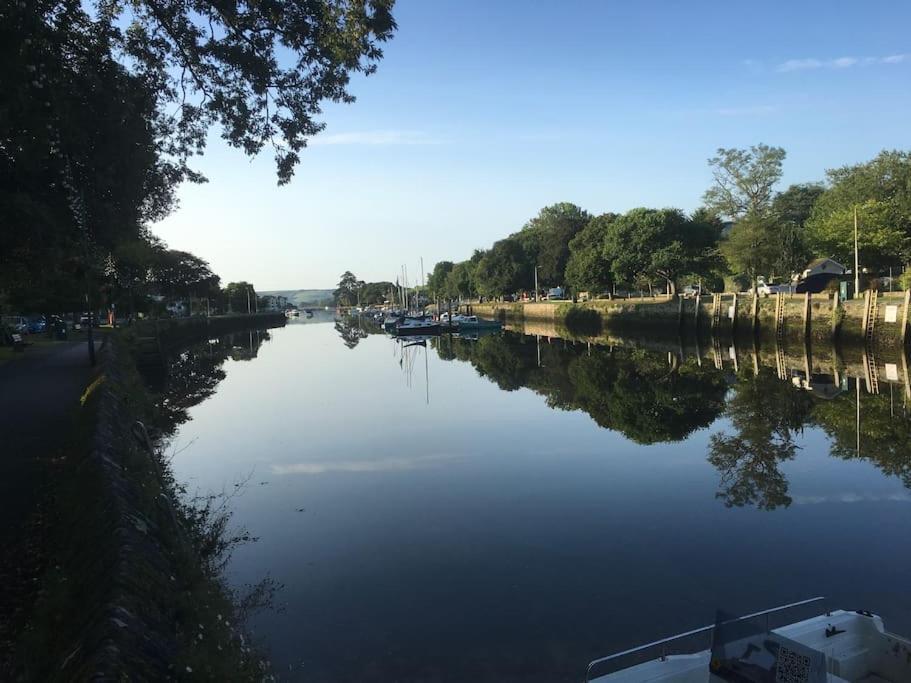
x=691, y=291
x=36, y=324
x=16, y=323
x=555, y=293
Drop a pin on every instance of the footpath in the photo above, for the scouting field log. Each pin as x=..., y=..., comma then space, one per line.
x=39, y=400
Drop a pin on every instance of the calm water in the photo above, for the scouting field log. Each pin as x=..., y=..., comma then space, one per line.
x=508, y=508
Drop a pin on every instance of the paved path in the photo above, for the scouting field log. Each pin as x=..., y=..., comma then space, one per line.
x=38, y=395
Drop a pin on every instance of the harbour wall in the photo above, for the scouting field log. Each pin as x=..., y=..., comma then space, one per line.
x=877, y=320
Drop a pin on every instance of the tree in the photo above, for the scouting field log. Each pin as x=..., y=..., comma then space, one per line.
x=744, y=180
x=181, y=274
x=436, y=281
x=750, y=247
x=546, y=238
x=460, y=281
x=346, y=292
x=647, y=245
x=588, y=267
x=791, y=209
x=504, y=269
x=880, y=190
x=260, y=71
x=239, y=297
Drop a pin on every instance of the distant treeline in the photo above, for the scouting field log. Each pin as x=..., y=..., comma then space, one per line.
x=745, y=229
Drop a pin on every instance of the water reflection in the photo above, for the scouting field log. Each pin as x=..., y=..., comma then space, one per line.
x=510, y=506
x=193, y=373
x=653, y=397
x=766, y=416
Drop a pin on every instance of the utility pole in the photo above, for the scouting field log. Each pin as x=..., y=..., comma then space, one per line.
x=536, y=283
x=856, y=259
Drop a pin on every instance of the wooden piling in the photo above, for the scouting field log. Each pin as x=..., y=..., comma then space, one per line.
x=715, y=299
x=679, y=311
x=904, y=330
x=836, y=326
x=866, y=315
x=754, y=312
x=734, y=316
x=806, y=316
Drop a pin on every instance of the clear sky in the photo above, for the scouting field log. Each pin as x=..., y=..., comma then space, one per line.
x=482, y=112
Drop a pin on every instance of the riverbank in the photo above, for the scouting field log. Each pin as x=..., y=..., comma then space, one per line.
x=881, y=321
x=131, y=586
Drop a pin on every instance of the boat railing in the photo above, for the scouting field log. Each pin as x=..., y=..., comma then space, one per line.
x=700, y=639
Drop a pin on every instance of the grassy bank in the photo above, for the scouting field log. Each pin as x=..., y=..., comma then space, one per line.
x=132, y=588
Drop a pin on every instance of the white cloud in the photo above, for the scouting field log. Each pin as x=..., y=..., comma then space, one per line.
x=376, y=137
x=838, y=63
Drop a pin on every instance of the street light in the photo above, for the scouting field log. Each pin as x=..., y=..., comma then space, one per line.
x=856, y=259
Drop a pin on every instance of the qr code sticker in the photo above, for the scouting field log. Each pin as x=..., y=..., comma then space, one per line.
x=792, y=667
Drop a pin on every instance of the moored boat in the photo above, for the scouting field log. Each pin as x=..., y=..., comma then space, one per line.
x=417, y=326
x=834, y=647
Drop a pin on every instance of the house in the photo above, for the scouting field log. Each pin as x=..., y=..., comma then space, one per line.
x=818, y=274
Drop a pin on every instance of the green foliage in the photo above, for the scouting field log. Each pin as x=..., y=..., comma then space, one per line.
x=436, y=281
x=790, y=210
x=744, y=179
x=505, y=268
x=904, y=281
x=751, y=247
x=238, y=297
x=546, y=238
x=649, y=245
x=588, y=268
x=880, y=190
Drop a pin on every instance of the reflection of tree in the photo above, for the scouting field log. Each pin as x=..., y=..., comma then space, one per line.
x=637, y=394
x=633, y=392
x=354, y=328
x=350, y=332
x=193, y=374
x=885, y=431
x=766, y=414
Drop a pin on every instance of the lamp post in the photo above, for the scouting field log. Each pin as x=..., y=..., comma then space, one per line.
x=536, y=283
x=856, y=260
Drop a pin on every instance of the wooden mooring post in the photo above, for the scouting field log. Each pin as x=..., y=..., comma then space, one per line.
x=807, y=314
x=866, y=315
x=754, y=312
x=904, y=330
x=836, y=305
x=679, y=311
x=734, y=314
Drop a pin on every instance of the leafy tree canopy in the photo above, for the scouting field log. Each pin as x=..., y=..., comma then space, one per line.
x=880, y=190
x=546, y=239
x=743, y=180
x=588, y=268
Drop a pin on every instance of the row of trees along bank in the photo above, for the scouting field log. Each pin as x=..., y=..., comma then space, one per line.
x=744, y=230
x=108, y=103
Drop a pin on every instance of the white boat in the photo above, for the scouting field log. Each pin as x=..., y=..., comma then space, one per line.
x=835, y=647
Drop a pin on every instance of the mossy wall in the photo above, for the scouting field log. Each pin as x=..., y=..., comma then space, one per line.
x=824, y=325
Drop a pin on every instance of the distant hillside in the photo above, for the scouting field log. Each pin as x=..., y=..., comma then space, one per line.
x=304, y=297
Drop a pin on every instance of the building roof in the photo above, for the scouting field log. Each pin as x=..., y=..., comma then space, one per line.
x=820, y=261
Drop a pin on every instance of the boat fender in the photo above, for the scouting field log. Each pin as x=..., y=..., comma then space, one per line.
x=832, y=631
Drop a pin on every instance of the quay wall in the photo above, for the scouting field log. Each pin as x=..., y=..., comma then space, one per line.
x=817, y=318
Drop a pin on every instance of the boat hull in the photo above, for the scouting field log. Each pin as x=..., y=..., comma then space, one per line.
x=417, y=330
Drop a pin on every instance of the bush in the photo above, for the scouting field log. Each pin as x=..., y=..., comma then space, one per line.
x=904, y=281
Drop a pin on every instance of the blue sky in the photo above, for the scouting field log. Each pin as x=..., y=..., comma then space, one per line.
x=481, y=113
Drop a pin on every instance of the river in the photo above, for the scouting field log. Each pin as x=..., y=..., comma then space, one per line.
x=511, y=507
